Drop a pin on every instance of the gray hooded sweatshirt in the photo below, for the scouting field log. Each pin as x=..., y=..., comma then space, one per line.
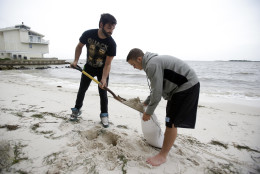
x=168, y=75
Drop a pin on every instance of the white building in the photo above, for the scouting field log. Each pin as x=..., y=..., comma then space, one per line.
x=19, y=42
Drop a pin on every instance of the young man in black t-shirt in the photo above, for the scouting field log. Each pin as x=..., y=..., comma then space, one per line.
x=101, y=49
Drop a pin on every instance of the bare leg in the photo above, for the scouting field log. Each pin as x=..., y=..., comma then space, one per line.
x=169, y=138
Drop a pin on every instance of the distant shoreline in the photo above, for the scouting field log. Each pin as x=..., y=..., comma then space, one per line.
x=243, y=61
x=236, y=61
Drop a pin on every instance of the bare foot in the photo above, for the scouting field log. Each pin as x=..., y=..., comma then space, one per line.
x=156, y=160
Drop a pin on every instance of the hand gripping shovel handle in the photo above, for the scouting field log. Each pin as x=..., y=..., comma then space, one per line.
x=92, y=78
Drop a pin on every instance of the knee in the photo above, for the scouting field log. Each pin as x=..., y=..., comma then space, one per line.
x=172, y=129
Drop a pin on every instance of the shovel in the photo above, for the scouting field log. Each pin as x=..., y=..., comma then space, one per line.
x=133, y=103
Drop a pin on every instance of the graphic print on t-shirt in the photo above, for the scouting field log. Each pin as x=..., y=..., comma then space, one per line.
x=96, y=53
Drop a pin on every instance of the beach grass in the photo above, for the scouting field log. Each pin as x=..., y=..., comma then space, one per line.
x=37, y=116
x=123, y=159
x=244, y=147
x=218, y=143
x=10, y=127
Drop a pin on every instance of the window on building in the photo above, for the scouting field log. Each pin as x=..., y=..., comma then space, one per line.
x=39, y=39
x=30, y=45
x=25, y=58
x=31, y=38
x=14, y=56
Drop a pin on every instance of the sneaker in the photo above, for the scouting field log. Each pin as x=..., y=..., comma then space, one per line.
x=75, y=114
x=104, y=119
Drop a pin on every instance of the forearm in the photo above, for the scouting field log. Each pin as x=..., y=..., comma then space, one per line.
x=106, y=71
x=78, y=51
x=106, y=68
x=151, y=107
x=147, y=101
x=153, y=99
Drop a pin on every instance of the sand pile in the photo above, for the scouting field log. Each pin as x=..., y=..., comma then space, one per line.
x=135, y=103
x=95, y=149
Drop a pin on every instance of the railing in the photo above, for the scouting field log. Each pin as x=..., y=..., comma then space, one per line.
x=40, y=42
x=37, y=39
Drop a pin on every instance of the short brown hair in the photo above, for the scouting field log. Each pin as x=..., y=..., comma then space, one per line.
x=134, y=53
x=107, y=18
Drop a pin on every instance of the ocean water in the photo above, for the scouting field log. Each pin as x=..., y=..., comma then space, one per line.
x=236, y=80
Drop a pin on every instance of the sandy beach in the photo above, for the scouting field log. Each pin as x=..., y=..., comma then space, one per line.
x=37, y=137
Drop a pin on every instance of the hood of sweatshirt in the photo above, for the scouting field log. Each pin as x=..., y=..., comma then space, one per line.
x=147, y=56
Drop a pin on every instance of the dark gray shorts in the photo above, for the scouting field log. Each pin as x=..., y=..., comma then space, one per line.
x=181, y=110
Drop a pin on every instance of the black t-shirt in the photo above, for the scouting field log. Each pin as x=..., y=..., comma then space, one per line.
x=97, y=49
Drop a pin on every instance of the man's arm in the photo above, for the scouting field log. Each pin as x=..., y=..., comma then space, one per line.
x=106, y=70
x=78, y=51
x=155, y=74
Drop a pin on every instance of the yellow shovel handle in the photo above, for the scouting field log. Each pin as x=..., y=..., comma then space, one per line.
x=89, y=76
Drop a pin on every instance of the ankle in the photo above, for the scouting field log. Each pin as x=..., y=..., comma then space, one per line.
x=162, y=155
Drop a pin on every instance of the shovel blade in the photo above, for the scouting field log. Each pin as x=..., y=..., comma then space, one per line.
x=133, y=103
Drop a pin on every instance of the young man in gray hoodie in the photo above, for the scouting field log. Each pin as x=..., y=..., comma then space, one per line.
x=176, y=82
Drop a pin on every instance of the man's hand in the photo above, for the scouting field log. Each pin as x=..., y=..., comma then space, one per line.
x=146, y=117
x=74, y=64
x=103, y=83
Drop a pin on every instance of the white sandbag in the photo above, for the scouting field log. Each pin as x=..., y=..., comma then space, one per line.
x=152, y=131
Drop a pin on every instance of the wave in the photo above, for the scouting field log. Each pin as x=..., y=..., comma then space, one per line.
x=127, y=74
x=244, y=73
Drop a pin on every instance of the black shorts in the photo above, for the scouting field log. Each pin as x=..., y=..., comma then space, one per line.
x=181, y=110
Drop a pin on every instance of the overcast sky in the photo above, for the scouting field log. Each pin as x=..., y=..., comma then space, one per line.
x=187, y=29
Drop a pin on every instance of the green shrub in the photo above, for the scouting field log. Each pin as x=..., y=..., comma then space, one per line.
x=5, y=59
